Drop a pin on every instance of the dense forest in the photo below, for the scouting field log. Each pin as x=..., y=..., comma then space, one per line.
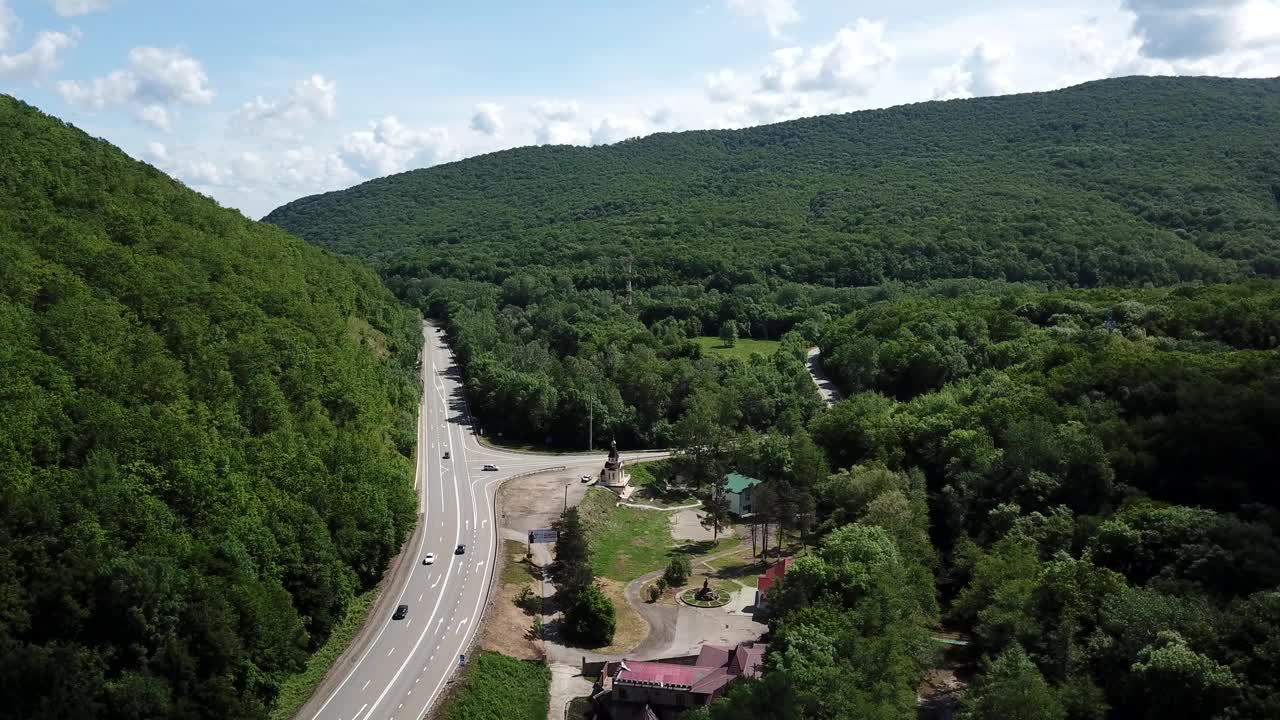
x=1130, y=182
x=206, y=426
x=1082, y=480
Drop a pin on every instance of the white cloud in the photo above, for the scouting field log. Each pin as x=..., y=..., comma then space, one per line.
x=1190, y=30
x=155, y=77
x=249, y=166
x=555, y=110
x=156, y=116
x=156, y=152
x=661, y=115
x=798, y=82
x=556, y=123
x=776, y=14
x=613, y=128
x=41, y=59
x=165, y=76
x=205, y=172
x=851, y=63
x=982, y=71
x=487, y=120
x=7, y=23
x=309, y=101
x=307, y=169
x=389, y=146
x=727, y=86
x=72, y=8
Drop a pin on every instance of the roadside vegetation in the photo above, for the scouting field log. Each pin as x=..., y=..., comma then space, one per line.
x=296, y=689
x=496, y=687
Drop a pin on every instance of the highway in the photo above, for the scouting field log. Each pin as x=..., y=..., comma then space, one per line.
x=404, y=668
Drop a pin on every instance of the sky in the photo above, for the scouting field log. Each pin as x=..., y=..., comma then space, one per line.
x=259, y=103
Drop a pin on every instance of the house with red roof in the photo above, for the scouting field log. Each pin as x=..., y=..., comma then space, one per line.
x=662, y=689
x=768, y=580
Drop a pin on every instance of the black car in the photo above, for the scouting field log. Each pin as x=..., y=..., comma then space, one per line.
x=400, y=612
x=460, y=549
x=446, y=454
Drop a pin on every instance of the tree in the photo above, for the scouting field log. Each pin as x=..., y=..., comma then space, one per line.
x=591, y=620
x=1178, y=682
x=1011, y=688
x=729, y=333
x=678, y=571
x=715, y=510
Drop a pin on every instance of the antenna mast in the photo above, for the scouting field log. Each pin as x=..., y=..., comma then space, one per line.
x=626, y=263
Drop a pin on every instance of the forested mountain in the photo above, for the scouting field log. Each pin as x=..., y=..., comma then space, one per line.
x=1123, y=182
x=1115, y=182
x=205, y=426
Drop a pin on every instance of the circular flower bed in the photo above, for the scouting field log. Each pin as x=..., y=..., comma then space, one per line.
x=690, y=597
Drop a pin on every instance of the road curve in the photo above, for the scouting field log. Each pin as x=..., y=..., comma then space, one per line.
x=403, y=669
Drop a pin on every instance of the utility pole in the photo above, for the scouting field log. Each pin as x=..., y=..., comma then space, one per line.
x=627, y=264
x=566, y=497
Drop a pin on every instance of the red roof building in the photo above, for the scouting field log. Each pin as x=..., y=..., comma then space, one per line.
x=642, y=689
x=768, y=580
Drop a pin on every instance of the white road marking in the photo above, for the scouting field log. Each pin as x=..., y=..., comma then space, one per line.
x=390, y=651
x=437, y=582
x=457, y=511
x=362, y=709
x=460, y=626
x=366, y=684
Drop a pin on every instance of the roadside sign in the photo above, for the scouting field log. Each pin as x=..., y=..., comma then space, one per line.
x=543, y=536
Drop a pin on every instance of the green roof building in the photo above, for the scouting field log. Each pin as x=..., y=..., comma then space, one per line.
x=738, y=491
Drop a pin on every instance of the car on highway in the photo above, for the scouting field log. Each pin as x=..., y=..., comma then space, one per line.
x=586, y=478
x=400, y=612
x=429, y=559
x=446, y=455
x=460, y=549
x=490, y=467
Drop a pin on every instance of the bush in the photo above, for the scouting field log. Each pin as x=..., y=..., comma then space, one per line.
x=591, y=620
x=678, y=571
x=500, y=686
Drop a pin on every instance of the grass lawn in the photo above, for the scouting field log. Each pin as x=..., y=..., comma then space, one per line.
x=631, y=628
x=295, y=690
x=741, y=349
x=625, y=542
x=629, y=542
x=497, y=686
x=515, y=571
x=651, y=478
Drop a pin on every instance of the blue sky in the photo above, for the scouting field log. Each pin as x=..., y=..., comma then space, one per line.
x=258, y=103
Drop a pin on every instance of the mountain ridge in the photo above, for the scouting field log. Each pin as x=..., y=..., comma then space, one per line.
x=1137, y=157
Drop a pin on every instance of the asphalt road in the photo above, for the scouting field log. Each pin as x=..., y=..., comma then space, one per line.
x=403, y=670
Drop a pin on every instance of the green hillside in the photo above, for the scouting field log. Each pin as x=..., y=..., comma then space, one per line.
x=205, y=426
x=1122, y=181
x=1129, y=182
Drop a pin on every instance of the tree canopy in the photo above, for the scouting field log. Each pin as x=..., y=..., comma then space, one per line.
x=205, y=438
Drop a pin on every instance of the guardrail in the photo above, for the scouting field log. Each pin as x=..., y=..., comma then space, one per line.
x=493, y=570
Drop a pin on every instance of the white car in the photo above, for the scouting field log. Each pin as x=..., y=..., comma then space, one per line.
x=490, y=467
x=429, y=559
x=586, y=478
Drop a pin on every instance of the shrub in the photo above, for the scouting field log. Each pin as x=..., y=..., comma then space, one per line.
x=678, y=571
